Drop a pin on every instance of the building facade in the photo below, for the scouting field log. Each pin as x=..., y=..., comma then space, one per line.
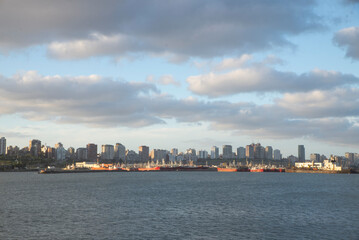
x=120, y=152
x=91, y=152
x=227, y=152
x=214, y=152
x=301, y=153
x=143, y=152
x=241, y=153
x=2, y=146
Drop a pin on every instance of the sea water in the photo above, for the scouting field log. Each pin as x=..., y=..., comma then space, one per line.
x=179, y=205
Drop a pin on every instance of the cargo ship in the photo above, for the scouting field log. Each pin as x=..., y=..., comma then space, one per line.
x=149, y=169
x=227, y=169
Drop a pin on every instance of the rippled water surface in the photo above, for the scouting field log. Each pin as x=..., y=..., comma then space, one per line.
x=179, y=205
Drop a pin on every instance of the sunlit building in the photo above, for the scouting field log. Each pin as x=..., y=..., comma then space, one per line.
x=107, y=152
x=250, y=151
x=120, y=152
x=269, y=153
x=143, y=152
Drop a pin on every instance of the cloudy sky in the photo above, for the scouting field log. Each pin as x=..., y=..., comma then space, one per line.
x=181, y=73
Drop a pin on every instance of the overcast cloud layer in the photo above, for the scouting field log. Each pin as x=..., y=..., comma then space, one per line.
x=204, y=28
x=330, y=116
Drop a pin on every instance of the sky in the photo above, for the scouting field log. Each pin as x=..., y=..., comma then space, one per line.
x=181, y=74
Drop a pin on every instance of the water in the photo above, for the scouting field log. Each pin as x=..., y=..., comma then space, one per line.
x=179, y=205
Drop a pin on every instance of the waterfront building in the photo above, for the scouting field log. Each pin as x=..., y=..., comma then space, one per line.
x=107, y=152
x=191, y=155
x=269, y=153
x=277, y=155
x=227, y=152
x=143, y=152
x=301, y=153
x=60, y=152
x=214, y=152
x=202, y=154
x=91, y=152
x=241, y=153
x=350, y=157
x=2, y=146
x=35, y=147
x=11, y=151
x=71, y=151
x=158, y=155
x=120, y=152
x=81, y=154
x=131, y=156
x=174, y=151
x=250, y=151
x=259, y=151
x=315, y=157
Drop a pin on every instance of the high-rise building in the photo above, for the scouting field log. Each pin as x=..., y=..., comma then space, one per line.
x=227, y=152
x=35, y=147
x=131, y=156
x=269, y=153
x=60, y=152
x=143, y=152
x=315, y=157
x=191, y=154
x=202, y=154
x=241, y=153
x=277, y=155
x=120, y=152
x=259, y=151
x=174, y=151
x=250, y=151
x=107, y=152
x=214, y=152
x=91, y=152
x=158, y=155
x=2, y=146
x=301, y=153
x=350, y=157
x=81, y=154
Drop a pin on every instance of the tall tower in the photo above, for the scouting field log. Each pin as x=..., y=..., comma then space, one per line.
x=91, y=152
x=144, y=153
x=2, y=146
x=301, y=153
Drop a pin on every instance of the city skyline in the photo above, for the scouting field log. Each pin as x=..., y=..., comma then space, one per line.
x=119, y=151
x=181, y=74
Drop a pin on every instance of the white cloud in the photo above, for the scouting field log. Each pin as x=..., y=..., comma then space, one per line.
x=260, y=78
x=348, y=38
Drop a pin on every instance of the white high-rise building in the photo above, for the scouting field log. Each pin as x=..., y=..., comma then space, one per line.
x=107, y=152
x=214, y=152
x=2, y=146
x=241, y=152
